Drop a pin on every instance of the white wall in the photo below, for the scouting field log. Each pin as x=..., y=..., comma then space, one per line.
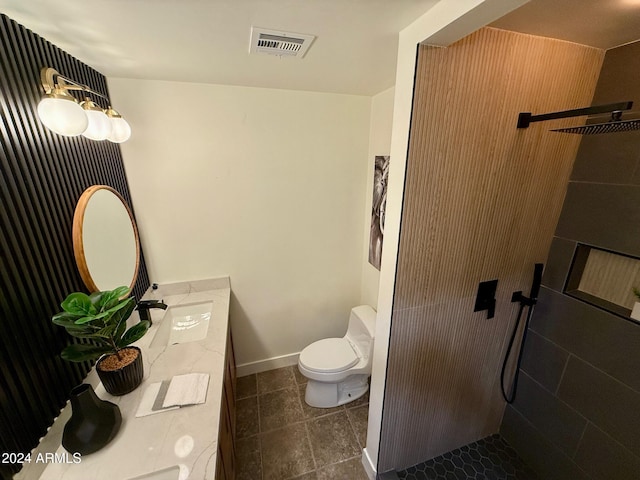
x=267, y=186
x=446, y=22
x=379, y=144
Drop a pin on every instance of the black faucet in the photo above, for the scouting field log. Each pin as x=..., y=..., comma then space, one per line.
x=144, y=306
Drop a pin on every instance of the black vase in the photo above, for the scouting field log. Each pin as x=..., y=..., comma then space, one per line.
x=93, y=422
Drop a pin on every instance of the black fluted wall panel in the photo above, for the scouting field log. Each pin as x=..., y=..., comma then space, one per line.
x=42, y=175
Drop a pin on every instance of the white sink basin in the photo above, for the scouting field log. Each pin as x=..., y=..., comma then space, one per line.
x=171, y=473
x=184, y=323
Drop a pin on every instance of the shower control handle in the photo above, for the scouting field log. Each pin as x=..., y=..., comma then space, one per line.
x=486, y=298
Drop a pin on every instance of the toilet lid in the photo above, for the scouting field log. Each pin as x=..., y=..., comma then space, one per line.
x=328, y=355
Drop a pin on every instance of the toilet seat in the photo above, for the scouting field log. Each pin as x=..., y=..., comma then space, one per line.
x=328, y=355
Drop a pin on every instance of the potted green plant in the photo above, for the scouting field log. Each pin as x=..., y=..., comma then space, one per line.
x=102, y=318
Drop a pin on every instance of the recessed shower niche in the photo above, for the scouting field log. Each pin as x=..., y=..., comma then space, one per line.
x=604, y=278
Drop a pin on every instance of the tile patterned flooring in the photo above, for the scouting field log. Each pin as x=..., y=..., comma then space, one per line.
x=490, y=458
x=280, y=437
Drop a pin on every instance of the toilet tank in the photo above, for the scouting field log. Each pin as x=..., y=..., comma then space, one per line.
x=362, y=328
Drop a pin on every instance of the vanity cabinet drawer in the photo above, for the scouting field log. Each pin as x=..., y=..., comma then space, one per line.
x=226, y=462
x=226, y=450
x=229, y=386
x=219, y=467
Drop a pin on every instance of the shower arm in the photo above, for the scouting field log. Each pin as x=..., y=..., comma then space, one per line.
x=525, y=118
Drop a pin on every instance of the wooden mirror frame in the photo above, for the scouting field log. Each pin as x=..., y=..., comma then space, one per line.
x=77, y=234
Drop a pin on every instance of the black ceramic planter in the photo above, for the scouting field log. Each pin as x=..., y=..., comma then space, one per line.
x=93, y=422
x=124, y=380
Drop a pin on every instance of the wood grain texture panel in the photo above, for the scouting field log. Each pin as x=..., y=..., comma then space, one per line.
x=42, y=175
x=481, y=202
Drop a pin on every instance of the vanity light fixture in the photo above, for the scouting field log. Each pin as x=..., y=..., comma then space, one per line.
x=99, y=127
x=61, y=112
x=120, y=131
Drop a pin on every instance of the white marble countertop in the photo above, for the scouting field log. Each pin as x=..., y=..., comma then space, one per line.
x=187, y=436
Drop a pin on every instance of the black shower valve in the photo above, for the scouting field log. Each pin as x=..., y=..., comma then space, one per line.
x=486, y=298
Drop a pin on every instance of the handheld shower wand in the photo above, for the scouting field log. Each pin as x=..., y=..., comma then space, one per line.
x=524, y=302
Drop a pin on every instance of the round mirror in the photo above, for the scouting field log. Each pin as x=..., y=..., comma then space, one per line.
x=105, y=240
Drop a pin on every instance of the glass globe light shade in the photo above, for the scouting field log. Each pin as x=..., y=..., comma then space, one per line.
x=61, y=114
x=120, y=129
x=99, y=127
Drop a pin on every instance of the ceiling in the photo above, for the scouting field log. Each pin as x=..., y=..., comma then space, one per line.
x=207, y=41
x=599, y=23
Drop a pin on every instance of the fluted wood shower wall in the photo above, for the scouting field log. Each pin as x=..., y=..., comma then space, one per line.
x=42, y=175
x=481, y=202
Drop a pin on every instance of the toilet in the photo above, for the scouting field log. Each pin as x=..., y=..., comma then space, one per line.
x=338, y=369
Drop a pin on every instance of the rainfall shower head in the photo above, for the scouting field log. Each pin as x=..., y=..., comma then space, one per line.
x=615, y=124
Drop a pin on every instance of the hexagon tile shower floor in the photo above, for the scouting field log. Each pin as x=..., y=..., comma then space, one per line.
x=488, y=459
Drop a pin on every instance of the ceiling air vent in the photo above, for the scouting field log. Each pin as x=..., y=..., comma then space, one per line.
x=283, y=44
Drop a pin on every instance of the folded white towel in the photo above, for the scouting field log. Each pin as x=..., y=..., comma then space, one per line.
x=189, y=389
x=148, y=400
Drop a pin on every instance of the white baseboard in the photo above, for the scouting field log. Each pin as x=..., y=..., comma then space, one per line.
x=368, y=465
x=268, y=364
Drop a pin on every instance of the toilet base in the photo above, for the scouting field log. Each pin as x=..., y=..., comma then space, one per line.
x=327, y=395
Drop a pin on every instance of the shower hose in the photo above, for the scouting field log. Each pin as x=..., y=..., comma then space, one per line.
x=510, y=397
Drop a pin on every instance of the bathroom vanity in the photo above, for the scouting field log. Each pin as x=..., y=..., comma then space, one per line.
x=193, y=442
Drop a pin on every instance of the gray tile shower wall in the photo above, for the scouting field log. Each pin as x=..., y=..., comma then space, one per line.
x=602, y=214
x=577, y=411
x=606, y=341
